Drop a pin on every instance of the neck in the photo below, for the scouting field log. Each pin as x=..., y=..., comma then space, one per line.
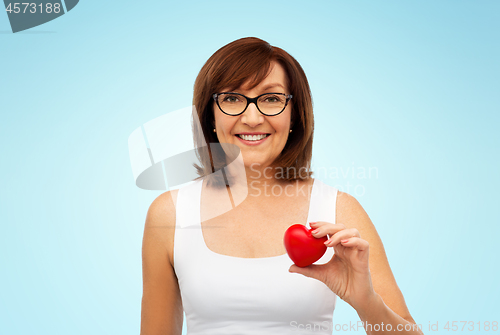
x=255, y=180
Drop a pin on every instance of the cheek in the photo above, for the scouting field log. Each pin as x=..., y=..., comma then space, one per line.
x=283, y=124
x=283, y=127
x=225, y=125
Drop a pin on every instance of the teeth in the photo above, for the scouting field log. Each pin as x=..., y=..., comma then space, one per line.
x=252, y=137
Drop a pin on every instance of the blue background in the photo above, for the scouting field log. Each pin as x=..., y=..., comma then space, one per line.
x=411, y=89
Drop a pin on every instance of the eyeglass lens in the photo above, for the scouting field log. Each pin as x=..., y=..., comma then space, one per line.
x=269, y=104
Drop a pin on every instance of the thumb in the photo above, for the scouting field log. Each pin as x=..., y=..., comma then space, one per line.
x=313, y=271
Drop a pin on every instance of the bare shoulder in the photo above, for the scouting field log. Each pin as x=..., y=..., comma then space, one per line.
x=160, y=221
x=351, y=214
x=163, y=202
x=161, y=300
x=349, y=211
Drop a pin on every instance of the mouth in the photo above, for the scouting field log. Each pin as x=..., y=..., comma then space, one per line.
x=252, y=139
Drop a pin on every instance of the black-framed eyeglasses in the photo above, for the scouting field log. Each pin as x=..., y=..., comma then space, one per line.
x=269, y=104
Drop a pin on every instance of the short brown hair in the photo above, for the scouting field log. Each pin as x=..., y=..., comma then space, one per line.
x=231, y=66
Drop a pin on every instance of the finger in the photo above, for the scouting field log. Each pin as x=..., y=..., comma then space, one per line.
x=317, y=224
x=322, y=228
x=356, y=242
x=342, y=235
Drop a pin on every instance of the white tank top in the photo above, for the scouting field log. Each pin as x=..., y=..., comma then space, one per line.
x=224, y=294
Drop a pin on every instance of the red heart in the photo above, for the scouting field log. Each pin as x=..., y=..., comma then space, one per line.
x=303, y=248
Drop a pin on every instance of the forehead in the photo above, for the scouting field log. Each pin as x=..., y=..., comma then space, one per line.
x=275, y=79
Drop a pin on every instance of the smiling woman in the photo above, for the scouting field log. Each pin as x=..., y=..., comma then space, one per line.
x=251, y=68
x=229, y=272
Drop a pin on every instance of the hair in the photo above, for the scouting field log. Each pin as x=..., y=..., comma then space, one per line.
x=249, y=59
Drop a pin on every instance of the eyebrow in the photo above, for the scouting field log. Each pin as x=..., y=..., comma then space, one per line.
x=268, y=86
x=272, y=85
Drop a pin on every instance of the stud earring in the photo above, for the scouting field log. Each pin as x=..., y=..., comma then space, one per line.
x=290, y=130
x=214, y=130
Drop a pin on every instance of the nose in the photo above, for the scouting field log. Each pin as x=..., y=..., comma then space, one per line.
x=251, y=116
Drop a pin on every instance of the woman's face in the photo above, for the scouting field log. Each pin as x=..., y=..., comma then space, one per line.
x=231, y=128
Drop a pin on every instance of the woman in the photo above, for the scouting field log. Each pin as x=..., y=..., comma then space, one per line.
x=231, y=273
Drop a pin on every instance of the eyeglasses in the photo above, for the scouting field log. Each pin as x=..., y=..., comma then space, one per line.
x=269, y=104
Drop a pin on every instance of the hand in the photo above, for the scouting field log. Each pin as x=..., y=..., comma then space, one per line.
x=347, y=274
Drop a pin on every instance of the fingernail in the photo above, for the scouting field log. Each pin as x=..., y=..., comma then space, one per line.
x=312, y=223
x=344, y=241
x=315, y=231
x=328, y=241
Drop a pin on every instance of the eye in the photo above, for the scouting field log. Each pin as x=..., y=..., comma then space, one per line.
x=231, y=98
x=272, y=99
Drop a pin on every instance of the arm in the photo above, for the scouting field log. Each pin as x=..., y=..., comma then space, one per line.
x=388, y=304
x=162, y=311
x=359, y=272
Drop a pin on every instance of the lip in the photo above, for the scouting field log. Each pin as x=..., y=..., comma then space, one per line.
x=247, y=133
x=252, y=142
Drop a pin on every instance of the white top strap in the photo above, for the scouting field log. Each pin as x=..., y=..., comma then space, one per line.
x=188, y=204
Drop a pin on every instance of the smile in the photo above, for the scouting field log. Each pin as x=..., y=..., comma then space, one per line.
x=252, y=139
